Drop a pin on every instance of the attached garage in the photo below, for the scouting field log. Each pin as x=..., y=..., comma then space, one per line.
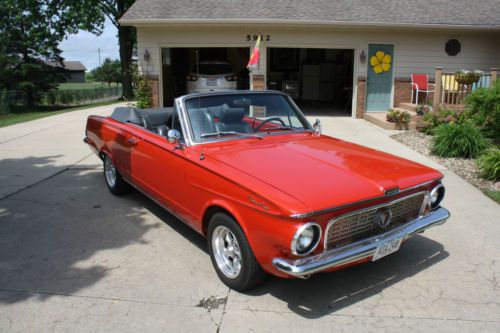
x=334, y=58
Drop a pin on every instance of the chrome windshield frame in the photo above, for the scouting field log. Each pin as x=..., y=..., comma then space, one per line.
x=188, y=134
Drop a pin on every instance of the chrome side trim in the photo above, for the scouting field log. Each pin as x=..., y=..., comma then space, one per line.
x=357, y=251
x=333, y=209
x=359, y=211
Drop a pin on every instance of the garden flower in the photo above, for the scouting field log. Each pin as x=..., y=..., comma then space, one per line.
x=381, y=62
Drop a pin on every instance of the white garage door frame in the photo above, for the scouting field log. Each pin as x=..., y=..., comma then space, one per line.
x=356, y=48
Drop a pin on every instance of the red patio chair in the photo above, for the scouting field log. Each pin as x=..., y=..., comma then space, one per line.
x=420, y=83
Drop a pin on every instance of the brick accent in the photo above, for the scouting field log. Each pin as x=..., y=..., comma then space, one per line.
x=360, y=98
x=155, y=92
x=402, y=92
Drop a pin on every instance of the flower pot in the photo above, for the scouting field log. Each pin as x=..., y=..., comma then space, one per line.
x=467, y=78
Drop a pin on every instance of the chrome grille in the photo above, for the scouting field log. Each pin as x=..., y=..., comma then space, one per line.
x=358, y=225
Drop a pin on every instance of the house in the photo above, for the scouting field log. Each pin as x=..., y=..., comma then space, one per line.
x=75, y=71
x=321, y=52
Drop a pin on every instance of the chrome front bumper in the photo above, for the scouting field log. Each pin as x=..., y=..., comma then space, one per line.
x=359, y=250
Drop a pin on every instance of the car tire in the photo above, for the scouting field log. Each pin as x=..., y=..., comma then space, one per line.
x=221, y=247
x=116, y=184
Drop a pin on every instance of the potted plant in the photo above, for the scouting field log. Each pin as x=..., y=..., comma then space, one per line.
x=466, y=77
x=403, y=120
x=392, y=115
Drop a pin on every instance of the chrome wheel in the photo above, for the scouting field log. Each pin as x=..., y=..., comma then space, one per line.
x=109, y=171
x=226, y=252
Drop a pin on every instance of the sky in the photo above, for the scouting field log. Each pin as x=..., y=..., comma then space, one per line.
x=84, y=46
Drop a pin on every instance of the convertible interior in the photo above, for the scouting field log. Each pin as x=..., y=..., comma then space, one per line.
x=204, y=120
x=158, y=120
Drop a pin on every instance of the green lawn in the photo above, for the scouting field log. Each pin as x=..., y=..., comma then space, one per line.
x=23, y=116
x=84, y=86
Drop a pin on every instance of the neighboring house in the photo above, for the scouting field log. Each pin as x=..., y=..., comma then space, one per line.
x=75, y=71
x=318, y=51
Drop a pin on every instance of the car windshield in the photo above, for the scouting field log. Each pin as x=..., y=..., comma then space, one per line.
x=212, y=69
x=250, y=115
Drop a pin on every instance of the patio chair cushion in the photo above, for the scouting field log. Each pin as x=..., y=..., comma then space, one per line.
x=449, y=83
x=421, y=80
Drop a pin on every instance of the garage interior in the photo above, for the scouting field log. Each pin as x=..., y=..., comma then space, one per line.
x=319, y=80
x=178, y=62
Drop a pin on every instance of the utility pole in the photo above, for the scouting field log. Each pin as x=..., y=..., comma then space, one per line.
x=99, y=51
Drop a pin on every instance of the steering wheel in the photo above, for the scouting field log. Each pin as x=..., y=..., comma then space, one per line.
x=256, y=129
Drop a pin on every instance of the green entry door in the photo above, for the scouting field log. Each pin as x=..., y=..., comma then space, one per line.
x=379, y=78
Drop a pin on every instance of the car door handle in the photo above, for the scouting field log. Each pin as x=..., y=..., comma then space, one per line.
x=133, y=141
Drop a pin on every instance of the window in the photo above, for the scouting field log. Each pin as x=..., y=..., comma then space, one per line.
x=453, y=47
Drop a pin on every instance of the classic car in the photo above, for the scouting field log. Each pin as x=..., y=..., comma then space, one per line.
x=269, y=192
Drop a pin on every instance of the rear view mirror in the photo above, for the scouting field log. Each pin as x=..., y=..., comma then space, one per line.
x=242, y=102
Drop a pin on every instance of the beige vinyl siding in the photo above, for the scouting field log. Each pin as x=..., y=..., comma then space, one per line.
x=415, y=51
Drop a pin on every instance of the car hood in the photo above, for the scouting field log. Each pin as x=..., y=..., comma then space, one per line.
x=323, y=172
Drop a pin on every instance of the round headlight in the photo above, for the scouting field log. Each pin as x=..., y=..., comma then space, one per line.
x=436, y=196
x=306, y=239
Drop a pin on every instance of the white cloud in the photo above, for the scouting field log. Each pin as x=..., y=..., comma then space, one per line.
x=84, y=46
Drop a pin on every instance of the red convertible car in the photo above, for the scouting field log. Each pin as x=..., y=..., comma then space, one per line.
x=267, y=189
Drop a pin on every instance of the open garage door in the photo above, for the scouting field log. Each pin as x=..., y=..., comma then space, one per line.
x=319, y=80
x=188, y=70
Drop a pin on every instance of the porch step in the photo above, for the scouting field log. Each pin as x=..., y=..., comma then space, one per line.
x=380, y=119
x=408, y=106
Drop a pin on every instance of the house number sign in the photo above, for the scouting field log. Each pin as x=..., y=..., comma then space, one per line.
x=265, y=38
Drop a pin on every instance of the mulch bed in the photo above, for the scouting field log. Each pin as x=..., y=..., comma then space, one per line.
x=465, y=168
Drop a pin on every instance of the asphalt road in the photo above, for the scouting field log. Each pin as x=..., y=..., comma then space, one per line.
x=74, y=258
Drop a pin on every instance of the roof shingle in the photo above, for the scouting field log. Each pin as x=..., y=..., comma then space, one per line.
x=480, y=13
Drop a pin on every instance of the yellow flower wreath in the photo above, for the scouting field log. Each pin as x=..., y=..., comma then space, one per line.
x=381, y=62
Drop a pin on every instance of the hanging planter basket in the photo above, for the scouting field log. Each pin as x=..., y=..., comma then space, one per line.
x=467, y=78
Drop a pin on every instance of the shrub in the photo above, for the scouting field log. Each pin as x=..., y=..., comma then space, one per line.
x=4, y=102
x=489, y=164
x=442, y=116
x=144, y=93
x=422, y=109
x=483, y=108
x=458, y=140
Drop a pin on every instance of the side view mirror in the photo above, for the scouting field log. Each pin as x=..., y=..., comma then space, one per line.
x=317, y=127
x=173, y=136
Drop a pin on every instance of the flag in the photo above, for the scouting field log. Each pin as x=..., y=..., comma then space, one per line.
x=255, y=57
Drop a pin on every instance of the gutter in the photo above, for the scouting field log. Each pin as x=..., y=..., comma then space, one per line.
x=165, y=22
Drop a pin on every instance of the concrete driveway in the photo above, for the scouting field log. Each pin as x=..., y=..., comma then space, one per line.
x=74, y=258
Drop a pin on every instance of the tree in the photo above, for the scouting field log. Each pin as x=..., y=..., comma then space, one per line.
x=109, y=71
x=114, y=9
x=92, y=20
x=30, y=32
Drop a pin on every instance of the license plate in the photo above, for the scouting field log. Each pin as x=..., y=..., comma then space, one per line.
x=386, y=248
x=212, y=82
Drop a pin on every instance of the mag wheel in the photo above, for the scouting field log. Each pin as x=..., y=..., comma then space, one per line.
x=114, y=180
x=231, y=254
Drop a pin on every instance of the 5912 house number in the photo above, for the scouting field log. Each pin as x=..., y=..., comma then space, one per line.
x=266, y=38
